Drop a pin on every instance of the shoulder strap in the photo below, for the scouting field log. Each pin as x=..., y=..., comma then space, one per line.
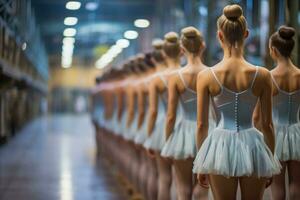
x=274, y=81
x=181, y=78
x=216, y=78
x=163, y=79
x=254, y=78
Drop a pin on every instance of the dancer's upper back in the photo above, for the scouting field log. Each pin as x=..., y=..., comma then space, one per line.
x=286, y=100
x=235, y=108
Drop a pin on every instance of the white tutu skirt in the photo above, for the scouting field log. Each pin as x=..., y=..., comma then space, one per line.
x=288, y=142
x=233, y=154
x=132, y=130
x=157, y=139
x=141, y=134
x=114, y=125
x=182, y=142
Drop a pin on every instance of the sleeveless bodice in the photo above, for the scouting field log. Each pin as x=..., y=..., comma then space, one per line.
x=188, y=101
x=234, y=109
x=163, y=97
x=286, y=106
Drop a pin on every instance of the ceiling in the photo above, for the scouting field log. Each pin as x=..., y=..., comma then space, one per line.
x=100, y=27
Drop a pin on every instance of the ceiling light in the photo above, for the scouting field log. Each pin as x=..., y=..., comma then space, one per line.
x=142, y=23
x=73, y=5
x=91, y=6
x=70, y=21
x=123, y=43
x=68, y=40
x=69, y=32
x=114, y=51
x=131, y=34
x=24, y=46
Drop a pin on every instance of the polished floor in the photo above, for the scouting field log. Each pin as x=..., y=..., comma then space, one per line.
x=53, y=158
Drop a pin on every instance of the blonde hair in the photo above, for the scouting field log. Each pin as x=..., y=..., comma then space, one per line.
x=191, y=39
x=171, y=45
x=233, y=24
x=157, y=52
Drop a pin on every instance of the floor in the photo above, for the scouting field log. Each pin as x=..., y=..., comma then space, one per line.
x=53, y=158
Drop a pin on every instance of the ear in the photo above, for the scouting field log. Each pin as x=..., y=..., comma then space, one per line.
x=153, y=60
x=275, y=51
x=164, y=54
x=182, y=50
x=246, y=33
x=203, y=45
x=220, y=36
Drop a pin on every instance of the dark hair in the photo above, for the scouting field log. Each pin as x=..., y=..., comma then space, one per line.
x=191, y=39
x=148, y=61
x=233, y=24
x=283, y=40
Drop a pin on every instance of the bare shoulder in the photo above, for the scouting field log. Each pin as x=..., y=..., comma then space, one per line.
x=263, y=81
x=297, y=72
x=264, y=74
x=205, y=78
x=204, y=74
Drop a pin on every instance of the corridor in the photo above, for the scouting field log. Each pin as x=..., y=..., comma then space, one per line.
x=54, y=159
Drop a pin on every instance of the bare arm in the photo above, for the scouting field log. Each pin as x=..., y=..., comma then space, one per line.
x=141, y=107
x=153, y=101
x=172, y=107
x=202, y=109
x=130, y=106
x=120, y=103
x=256, y=118
x=266, y=110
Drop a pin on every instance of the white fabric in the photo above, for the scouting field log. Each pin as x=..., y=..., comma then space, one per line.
x=141, y=134
x=181, y=143
x=287, y=142
x=236, y=154
x=157, y=139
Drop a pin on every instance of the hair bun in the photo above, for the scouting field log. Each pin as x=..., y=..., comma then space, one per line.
x=190, y=32
x=286, y=32
x=171, y=37
x=233, y=12
x=157, y=44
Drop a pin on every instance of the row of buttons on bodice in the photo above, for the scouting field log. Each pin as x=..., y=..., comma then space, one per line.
x=289, y=108
x=236, y=104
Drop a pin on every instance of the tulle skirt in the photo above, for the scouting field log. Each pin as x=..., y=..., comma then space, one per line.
x=141, y=134
x=121, y=125
x=132, y=130
x=156, y=140
x=182, y=142
x=287, y=142
x=232, y=154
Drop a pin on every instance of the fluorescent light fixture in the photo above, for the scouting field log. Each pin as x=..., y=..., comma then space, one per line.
x=114, y=51
x=142, y=23
x=68, y=40
x=131, y=34
x=73, y=5
x=70, y=21
x=24, y=46
x=91, y=6
x=69, y=32
x=123, y=43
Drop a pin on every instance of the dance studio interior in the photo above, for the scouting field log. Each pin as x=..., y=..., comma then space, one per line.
x=149, y=100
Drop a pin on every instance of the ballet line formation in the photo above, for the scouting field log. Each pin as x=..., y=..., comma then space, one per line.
x=176, y=131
